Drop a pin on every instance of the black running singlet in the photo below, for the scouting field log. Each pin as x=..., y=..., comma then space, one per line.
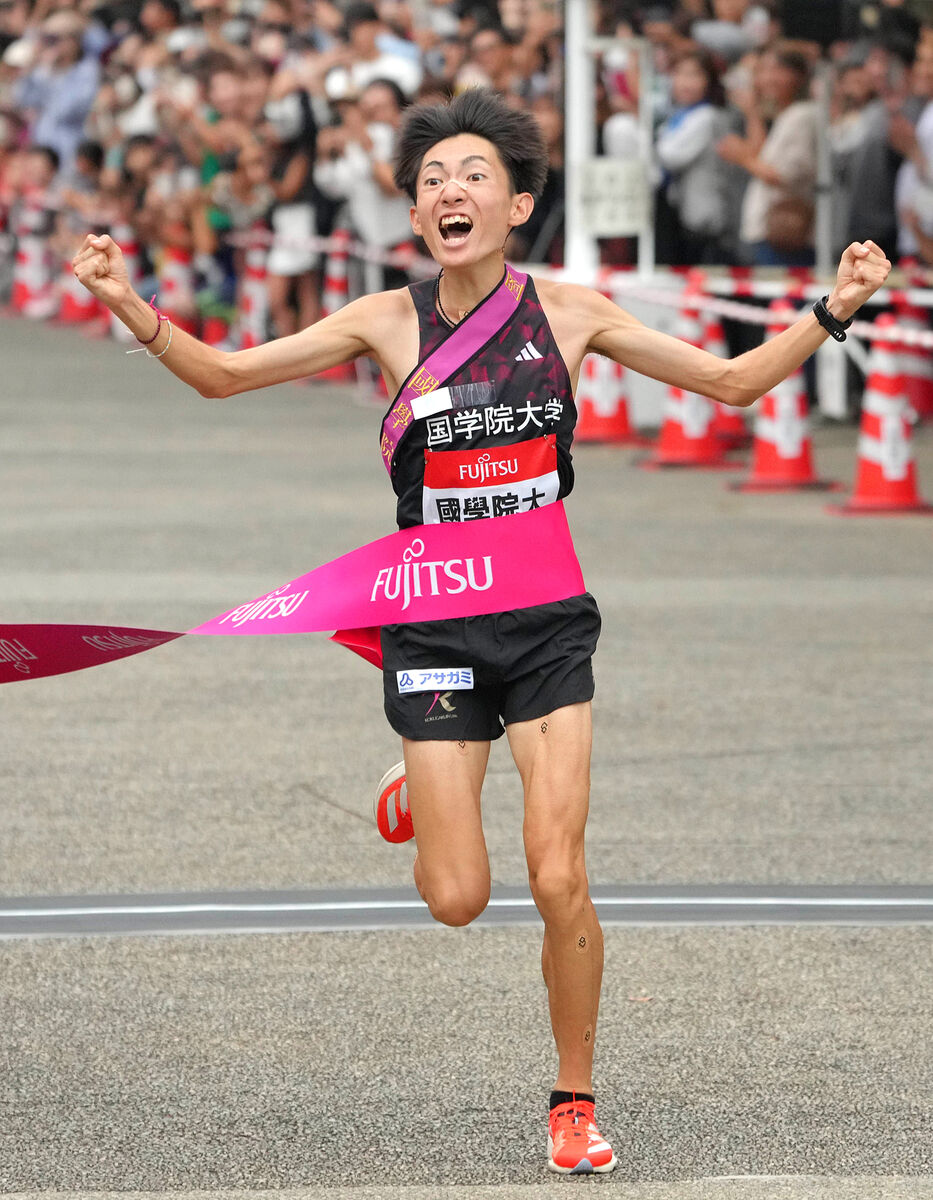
x=499, y=443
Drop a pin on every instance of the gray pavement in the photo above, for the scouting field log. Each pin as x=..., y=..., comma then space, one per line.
x=772, y=1187
x=342, y=1060
x=763, y=717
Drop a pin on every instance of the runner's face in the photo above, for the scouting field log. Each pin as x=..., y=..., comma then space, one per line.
x=465, y=207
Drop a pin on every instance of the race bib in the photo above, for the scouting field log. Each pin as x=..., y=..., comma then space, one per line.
x=466, y=485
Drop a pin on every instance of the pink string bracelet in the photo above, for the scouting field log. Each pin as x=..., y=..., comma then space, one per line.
x=161, y=316
x=144, y=344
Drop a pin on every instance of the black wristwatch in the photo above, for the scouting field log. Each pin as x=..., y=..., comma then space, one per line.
x=836, y=329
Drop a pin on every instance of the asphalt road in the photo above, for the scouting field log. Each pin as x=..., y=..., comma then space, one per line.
x=763, y=717
x=421, y=1058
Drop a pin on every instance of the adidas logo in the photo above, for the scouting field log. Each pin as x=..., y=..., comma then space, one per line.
x=528, y=353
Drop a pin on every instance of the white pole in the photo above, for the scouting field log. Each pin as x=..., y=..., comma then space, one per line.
x=824, y=174
x=581, y=254
x=831, y=362
x=646, y=256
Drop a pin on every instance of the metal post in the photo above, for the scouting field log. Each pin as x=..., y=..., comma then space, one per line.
x=831, y=369
x=581, y=254
x=824, y=174
x=646, y=263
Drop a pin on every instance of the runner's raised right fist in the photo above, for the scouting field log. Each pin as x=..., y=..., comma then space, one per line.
x=100, y=267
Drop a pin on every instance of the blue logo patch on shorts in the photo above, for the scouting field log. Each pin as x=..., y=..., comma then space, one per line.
x=447, y=679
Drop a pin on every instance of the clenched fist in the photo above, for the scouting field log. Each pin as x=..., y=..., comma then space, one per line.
x=100, y=267
x=863, y=268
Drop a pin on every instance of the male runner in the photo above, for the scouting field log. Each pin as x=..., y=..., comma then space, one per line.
x=473, y=169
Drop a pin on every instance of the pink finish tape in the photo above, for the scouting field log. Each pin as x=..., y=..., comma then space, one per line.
x=427, y=573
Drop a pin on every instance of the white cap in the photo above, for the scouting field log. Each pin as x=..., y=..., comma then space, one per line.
x=20, y=53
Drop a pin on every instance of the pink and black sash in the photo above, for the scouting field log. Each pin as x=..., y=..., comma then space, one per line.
x=426, y=380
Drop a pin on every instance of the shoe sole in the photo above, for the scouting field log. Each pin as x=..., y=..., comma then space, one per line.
x=390, y=776
x=603, y=1170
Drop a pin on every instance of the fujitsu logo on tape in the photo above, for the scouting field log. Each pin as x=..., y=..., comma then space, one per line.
x=449, y=577
x=485, y=468
x=120, y=641
x=267, y=608
x=13, y=651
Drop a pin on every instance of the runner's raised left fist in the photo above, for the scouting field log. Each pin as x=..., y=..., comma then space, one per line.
x=863, y=268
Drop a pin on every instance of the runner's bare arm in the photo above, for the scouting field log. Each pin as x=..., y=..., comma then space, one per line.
x=585, y=321
x=363, y=327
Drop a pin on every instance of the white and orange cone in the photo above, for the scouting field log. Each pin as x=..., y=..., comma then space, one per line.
x=916, y=361
x=687, y=437
x=886, y=475
x=254, y=297
x=728, y=423
x=33, y=266
x=176, y=288
x=125, y=237
x=602, y=404
x=335, y=295
x=76, y=304
x=782, y=457
x=214, y=331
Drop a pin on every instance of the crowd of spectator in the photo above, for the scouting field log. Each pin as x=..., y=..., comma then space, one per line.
x=187, y=128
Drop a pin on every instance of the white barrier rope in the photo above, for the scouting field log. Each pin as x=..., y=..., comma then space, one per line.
x=751, y=315
x=650, y=292
x=405, y=259
x=637, y=287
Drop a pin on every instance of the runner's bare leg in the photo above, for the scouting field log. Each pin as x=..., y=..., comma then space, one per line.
x=553, y=759
x=444, y=781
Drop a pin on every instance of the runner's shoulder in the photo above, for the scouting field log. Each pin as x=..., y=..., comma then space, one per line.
x=380, y=312
x=577, y=303
x=391, y=305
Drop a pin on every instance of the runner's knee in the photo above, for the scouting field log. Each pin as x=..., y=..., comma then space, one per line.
x=559, y=886
x=456, y=903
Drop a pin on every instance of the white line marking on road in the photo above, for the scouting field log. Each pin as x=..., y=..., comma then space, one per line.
x=734, y=902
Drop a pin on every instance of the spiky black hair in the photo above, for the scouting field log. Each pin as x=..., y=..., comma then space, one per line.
x=516, y=135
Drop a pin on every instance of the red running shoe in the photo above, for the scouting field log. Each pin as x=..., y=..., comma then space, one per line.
x=390, y=806
x=574, y=1144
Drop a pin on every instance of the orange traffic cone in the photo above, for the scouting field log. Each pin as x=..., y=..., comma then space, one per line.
x=886, y=477
x=916, y=361
x=782, y=458
x=335, y=296
x=728, y=423
x=176, y=288
x=687, y=437
x=76, y=303
x=214, y=331
x=125, y=237
x=602, y=404
x=33, y=266
x=253, y=293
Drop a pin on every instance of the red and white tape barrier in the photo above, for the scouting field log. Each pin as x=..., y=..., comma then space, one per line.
x=723, y=288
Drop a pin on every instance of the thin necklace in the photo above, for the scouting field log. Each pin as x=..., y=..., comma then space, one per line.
x=438, y=302
x=440, y=306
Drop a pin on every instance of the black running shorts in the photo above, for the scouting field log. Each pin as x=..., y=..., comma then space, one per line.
x=466, y=679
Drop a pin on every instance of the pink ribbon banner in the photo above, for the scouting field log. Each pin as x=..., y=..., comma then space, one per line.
x=428, y=573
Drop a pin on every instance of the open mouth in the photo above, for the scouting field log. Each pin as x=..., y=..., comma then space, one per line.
x=455, y=228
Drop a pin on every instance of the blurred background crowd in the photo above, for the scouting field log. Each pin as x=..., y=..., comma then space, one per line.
x=215, y=138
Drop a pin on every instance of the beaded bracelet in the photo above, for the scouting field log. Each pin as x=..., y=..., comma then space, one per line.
x=161, y=317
